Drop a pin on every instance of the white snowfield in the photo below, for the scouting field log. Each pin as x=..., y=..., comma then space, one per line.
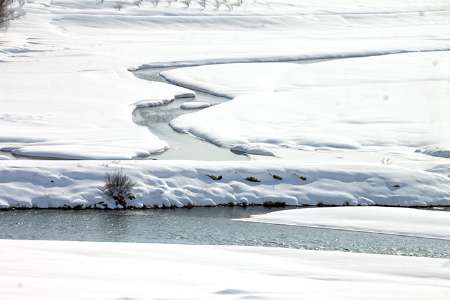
x=232, y=80
x=76, y=113
x=65, y=91
x=370, y=104
x=71, y=184
x=388, y=220
x=363, y=130
x=86, y=270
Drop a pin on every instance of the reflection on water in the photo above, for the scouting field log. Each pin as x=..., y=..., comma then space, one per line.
x=202, y=226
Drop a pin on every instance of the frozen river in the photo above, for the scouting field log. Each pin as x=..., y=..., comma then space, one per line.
x=212, y=226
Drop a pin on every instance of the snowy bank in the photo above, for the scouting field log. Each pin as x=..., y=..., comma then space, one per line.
x=195, y=105
x=60, y=118
x=237, y=79
x=71, y=184
x=389, y=220
x=347, y=104
x=88, y=270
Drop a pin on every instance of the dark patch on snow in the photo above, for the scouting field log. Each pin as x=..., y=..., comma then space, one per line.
x=214, y=177
x=252, y=179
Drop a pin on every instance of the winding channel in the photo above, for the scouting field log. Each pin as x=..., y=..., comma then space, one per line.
x=182, y=146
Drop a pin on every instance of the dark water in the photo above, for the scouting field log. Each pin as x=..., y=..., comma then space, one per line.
x=212, y=226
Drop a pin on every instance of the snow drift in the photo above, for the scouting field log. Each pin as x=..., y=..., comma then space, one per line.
x=390, y=101
x=58, y=184
x=388, y=220
x=135, y=271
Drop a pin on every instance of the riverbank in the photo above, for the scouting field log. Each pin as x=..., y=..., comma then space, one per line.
x=78, y=184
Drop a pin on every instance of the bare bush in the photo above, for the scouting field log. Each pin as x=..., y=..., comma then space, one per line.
x=202, y=3
x=186, y=2
x=10, y=10
x=233, y=3
x=118, y=6
x=155, y=3
x=218, y=3
x=4, y=11
x=119, y=186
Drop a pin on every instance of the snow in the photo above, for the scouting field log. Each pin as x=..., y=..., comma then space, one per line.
x=251, y=149
x=359, y=104
x=64, y=119
x=152, y=103
x=77, y=184
x=443, y=169
x=77, y=93
x=327, y=117
x=388, y=220
x=49, y=269
x=231, y=80
x=343, y=103
x=194, y=105
x=436, y=150
x=370, y=129
x=351, y=125
x=160, y=102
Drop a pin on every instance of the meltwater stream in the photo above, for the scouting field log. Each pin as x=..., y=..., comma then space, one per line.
x=202, y=226
x=182, y=146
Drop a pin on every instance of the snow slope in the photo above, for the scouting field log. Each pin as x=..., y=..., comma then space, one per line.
x=396, y=101
x=71, y=184
x=52, y=270
x=331, y=117
x=232, y=80
x=75, y=98
x=70, y=109
x=389, y=220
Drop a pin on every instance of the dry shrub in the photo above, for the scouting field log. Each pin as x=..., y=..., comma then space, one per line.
x=119, y=186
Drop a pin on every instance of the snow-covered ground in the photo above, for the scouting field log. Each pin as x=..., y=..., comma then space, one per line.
x=76, y=96
x=237, y=79
x=43, y=184
x=86, y=270
x=195, y=105
x=391, y=105
x=368, y=129
x=389, y=220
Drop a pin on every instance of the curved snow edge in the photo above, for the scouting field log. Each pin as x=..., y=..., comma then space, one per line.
x=279, y=58
x=386, y=220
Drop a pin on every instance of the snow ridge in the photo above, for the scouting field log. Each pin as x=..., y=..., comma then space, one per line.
x=71, y=184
